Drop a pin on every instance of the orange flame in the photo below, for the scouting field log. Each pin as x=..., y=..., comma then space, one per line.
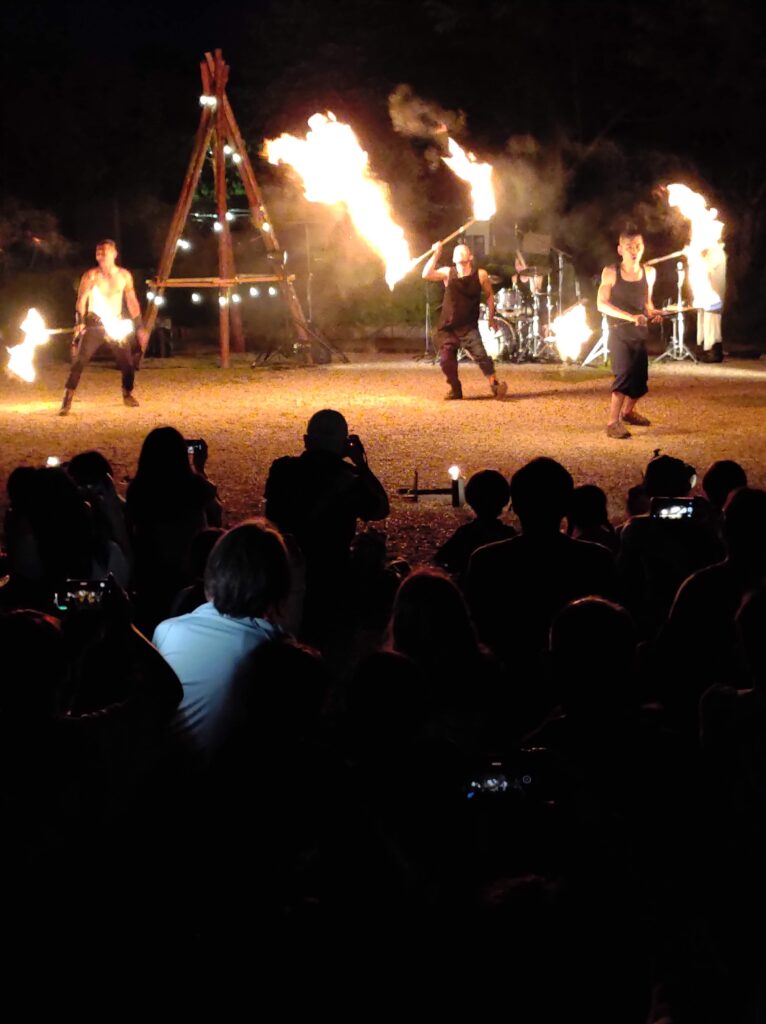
x=478, y=176
x=21, y=361
x=335, y=169
x=705, y=250
x=115, y=328
x=570, y=331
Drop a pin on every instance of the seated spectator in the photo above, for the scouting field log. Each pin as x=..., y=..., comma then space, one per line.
x=656, y=554
x=246, y=580
x=168, y=502
x=191, y=597
x=588, y=518
x=487, y=493
x=92, y=473
x=721, y=479
x=515, y=587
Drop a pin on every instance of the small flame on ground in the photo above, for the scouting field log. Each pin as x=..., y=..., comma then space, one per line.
x=478, y=176
x=21, y=362
x=335, y=169
x=705, y=250
x=570, y=331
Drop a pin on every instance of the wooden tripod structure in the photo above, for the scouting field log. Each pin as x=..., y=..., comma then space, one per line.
x=218, y=128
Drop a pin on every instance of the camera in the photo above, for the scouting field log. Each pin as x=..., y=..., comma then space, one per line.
x=195, y=446
x=672, y=509
x=81, y=595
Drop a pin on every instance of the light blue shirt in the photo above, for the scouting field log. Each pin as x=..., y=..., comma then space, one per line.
x=205, y=649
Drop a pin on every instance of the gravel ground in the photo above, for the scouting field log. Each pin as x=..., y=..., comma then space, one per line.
x=250, y=416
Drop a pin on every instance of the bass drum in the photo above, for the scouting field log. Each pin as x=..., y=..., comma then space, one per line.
x=501, y=342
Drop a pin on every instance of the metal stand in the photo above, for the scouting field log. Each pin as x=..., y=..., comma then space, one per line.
x=429, y=352
x=601, y=348
x=677, y=348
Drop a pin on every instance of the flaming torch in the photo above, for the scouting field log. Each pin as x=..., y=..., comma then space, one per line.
x=570, y=331
x=704, y=251
x=335, y=169
x=115, y=328
x=479, y=177
x=21, y=362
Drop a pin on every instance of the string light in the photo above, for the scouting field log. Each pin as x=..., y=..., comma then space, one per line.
x=272, y=291
x=196, y=298
x=236, y=297
x=228, y=150
x=222, y=300
x=218, y=226
x=236, y=158
x=254, y=292
x=150, y=296
x=208, y=101
x=266, y=226
x=183, y=244
x=159, y=300
x=229, y=215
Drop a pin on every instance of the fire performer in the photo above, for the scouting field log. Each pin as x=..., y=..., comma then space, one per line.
x=459, y=323
x=625, y=296
x=99, y=307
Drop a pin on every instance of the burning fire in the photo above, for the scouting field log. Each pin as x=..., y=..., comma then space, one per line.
x=22, y=355
x=705, y=250
x=115, y=328
x=570, y=331
x=478, y=176
x=335, y=169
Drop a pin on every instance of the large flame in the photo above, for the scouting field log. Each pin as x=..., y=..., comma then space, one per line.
x=335, y=169
x=115, y=328
x=570, y=331
x=21, y=360
x=705, y=250
x=478, y=176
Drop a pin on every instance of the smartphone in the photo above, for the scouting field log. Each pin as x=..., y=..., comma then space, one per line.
x=672, y=509
x=81, y=595
x=197, y=445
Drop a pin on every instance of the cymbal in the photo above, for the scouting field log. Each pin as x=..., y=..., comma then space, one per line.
x=534, y=271
x=495, y=279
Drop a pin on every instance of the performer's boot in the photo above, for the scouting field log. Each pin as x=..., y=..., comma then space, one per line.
x=66, y=404
x=128, y=399
x=499, y=389
x=455, y=393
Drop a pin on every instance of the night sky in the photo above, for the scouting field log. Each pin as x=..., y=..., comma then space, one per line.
x=601, y=101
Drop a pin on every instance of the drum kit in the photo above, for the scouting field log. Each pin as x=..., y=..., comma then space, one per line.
x=523, y=316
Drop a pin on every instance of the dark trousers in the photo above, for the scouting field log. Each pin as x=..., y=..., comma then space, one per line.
x=449, y=342
x=630, y=363
x=91, y=340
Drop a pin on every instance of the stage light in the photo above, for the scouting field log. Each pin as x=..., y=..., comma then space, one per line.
x=254, y=292
x=218, y=226
x=236, y=297
x=196, y=298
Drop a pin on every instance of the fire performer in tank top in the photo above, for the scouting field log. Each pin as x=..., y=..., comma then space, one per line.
x=625, y=296
x=459, y=323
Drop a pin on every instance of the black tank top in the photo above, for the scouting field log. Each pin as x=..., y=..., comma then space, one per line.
x=462, y=296
x=632, y=296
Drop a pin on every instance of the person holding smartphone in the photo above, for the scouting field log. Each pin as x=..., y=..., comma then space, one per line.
x=317, y=498
x=625, y=297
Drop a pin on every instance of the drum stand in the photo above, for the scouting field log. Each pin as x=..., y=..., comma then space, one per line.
x=601, y=348
x=428, y=352
x=677, y=348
